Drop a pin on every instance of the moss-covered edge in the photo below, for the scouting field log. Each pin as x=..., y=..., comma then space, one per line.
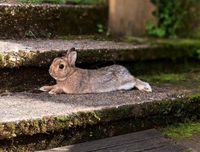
x=157, y=111
x=37, y=58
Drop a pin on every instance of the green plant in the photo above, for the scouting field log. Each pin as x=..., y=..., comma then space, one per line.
x=155, y=31
x=172, y=16
x=198, y=53
x=49, y=35
x=100, y=28
x=30, y=34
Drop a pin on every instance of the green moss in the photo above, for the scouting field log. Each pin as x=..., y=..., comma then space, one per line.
x=181, y=42
x=191, y=46
x=1, y=127
x=62, y=118
x=30, y=127
x=165, y=42
x=172, y=75
x=181, y=130
x=195, y=97
x=10, y=126
x=1, y=58
x=43, y=126
x=24, y=127
x=165, y=77
x=96, y=116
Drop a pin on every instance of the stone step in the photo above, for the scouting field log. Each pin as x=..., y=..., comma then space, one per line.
x=47, y=20
x=29, y=113
x=39, y=52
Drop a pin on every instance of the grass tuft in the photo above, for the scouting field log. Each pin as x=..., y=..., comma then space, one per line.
x=181, y=130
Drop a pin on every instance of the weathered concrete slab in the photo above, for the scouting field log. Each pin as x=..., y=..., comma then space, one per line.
x=28, y=113
x=59, y=44
x=25, y=106
x=145, y=141
x=15, y=53
x=46, y=20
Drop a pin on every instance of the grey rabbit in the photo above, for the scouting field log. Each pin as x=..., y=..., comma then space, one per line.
x=71, y=79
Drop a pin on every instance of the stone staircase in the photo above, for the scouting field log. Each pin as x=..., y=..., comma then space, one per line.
x=33, y=120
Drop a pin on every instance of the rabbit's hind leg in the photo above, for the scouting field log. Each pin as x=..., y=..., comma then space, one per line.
x=126, y=86
x=143, y=86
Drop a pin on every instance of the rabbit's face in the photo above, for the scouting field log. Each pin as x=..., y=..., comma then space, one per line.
x=59, y=69
x=63, y=66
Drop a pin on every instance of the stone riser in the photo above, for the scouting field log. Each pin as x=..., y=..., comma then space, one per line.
x=19, y=21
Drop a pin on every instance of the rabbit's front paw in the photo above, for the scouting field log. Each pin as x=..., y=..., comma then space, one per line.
x=55, y=91
x=46, y=88
x=52, y=92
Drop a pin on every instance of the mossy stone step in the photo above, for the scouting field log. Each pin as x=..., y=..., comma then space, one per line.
x=27, y=113
x=47, y=20
x=38, y=52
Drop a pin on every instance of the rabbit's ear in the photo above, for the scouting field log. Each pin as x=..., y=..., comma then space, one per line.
x=69, y=51
x=72, y=56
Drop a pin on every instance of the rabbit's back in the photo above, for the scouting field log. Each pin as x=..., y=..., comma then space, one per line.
x=110, y=78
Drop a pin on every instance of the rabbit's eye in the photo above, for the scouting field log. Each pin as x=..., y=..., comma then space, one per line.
x=61, y=66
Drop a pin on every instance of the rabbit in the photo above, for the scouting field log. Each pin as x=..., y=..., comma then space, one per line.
x=73, y=80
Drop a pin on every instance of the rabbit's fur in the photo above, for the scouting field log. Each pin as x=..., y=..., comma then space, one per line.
x=71, y=79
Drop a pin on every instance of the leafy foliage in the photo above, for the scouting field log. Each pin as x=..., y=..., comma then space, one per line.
x=172, y=16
